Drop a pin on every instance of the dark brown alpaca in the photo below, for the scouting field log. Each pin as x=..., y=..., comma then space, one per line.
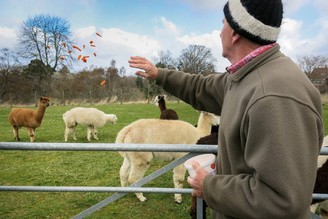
x=321, y=186
x=29, y=118
x=321, y=183
x=168, y=114
x=211, y=139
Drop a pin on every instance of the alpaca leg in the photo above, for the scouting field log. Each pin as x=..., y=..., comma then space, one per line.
x=178, y=178
x=124, y=172
x=136, y=174
x=31, y=132
x=193, y=207
x=15, y=131
x=68, y=131
x=139, y=164
x=89, y=133
x=95, y=133
x=74, y=132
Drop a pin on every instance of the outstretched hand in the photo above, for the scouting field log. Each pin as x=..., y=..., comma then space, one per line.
x=197, y=182
x=150, y=71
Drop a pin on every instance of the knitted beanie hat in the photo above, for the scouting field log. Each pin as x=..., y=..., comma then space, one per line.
x=256, y=20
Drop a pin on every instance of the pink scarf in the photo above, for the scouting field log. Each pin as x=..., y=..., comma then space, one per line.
x=235, y=67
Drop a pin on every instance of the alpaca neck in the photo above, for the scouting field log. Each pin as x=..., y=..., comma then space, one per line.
x=162, y=105
x=40, y=113
x=203, y=124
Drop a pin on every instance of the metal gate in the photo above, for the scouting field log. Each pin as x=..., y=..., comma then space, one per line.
x=191, y=150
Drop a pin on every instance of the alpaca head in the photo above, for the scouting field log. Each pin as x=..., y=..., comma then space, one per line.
x=44, y=101
x=111, y=118
x=210, y=117
x=158, y=99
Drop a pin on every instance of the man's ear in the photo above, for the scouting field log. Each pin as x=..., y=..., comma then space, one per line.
x=234, y=36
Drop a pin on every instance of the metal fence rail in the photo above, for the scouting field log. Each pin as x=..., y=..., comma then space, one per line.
x=108, y=147
x=191, y=151
x=120, y=191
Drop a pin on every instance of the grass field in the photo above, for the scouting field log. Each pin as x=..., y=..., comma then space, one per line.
x=42, y=168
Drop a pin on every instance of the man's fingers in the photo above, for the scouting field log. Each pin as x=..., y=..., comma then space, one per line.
x=148, y=70
x=142, y=74
x=135, y=65
x=137, y=60
x=190, y=180
x=145, y=66
x=195, y=165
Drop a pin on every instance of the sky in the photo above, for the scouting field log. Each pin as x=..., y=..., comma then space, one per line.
x=145, y=27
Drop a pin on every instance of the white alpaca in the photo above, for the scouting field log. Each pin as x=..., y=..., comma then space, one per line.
x=90, y=117
x=158, y=131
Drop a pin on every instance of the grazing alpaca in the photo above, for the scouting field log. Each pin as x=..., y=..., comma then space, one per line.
x=169, y=114
x=29, y=118
x=90, y=117
x=157, y=131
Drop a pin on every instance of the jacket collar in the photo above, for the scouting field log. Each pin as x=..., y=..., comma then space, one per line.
x=263, y=58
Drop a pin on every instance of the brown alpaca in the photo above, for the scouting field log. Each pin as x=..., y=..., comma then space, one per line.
x=29, y=118
x=168, y=114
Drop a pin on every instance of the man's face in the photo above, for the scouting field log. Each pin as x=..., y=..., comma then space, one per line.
x=226, y=38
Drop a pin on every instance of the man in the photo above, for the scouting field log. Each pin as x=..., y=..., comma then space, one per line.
x=271, y=127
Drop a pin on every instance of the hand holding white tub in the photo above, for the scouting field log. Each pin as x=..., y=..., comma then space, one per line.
x=196, y=182
x=199, y=167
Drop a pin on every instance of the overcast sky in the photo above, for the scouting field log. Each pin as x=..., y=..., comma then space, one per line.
x=144, y=27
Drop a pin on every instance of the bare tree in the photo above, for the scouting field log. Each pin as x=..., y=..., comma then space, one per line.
x=166, y=60
x=46, y=38
x=122, y=72
x=308, y=63
x=196, y=59
x=112, y=77
x=8, y=63
x=61, y=84
x=37, y=73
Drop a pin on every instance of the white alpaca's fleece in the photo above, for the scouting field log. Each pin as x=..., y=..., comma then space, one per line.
x=157, y=131
x=90, y=117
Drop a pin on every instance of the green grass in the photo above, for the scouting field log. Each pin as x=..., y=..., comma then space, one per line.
x=56, y=168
